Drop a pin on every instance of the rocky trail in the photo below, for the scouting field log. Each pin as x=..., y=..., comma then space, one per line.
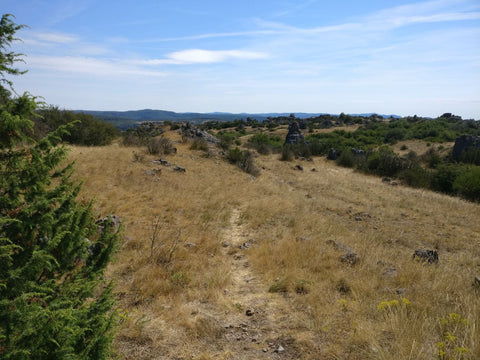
x=261, y=326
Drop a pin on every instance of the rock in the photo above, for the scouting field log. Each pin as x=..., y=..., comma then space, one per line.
x=430, y=256
x=463, y=143
x=350, y=258
x=332, y=154
x=225, y=244
x=191, y=131
x=299, y=167
x=390, y=272
x=189, y=245
x=249, y=312
x=163, y=162
x=280, y=349
x=244, y=246
x=476, y=283
x=179, y=169
x=294, y=135
x=109, y=220
x=357, y=151
x=314, y=169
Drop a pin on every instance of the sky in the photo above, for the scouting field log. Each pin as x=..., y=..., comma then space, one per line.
x=257, y=56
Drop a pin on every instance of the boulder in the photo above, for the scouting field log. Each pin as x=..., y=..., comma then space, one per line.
x=332, y=154
x=294, y=135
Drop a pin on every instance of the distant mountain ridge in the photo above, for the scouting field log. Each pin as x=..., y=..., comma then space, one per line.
x=128, y=119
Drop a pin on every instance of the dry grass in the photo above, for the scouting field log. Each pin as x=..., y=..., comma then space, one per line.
x=178, y=300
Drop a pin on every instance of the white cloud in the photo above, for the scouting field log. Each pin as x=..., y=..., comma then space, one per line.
x=199, y=56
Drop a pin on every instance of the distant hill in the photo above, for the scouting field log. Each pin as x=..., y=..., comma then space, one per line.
x=128, y=119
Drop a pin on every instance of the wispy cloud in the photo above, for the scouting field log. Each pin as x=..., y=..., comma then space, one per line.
x=88, y=65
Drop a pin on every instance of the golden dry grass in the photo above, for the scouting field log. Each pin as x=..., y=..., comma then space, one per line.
x=186, y=298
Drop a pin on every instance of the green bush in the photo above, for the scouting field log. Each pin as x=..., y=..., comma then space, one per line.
x=160, y=146
x=199, y=144
x=346, y=159
x=467, y=184
x=244, y=160
x=417, y=177
x=265, y=144
x=445, y=176
x=87, y=130
x=384, y=162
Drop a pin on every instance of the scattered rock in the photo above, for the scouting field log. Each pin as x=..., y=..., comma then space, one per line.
x=188, y=245
x=153, y=172
x=225, y=244
x=179, y=169
x=280, y=349
x=350, y=258
x=314, y=169
x=299, y=167
x=430, y=256
x=390, y=272
x=244, y=246
x=249, y=312
x=161, y=162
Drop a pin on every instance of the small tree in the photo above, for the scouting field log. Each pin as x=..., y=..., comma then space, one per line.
x=54, y=303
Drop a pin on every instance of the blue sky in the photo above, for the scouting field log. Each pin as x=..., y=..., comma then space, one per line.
x=401, y=57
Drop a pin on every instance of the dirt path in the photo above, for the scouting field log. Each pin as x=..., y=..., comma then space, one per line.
x=261, y=326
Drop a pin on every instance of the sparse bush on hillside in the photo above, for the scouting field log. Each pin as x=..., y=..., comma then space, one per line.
x=199, y=144
x=287, y=153
x=467, y=184
x=265, y=144
x=244, y=160
x=416, y=176
x=160, y=146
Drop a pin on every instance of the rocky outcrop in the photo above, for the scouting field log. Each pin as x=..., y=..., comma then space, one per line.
x=464, y=142
x=294, y=135
x=191, y=131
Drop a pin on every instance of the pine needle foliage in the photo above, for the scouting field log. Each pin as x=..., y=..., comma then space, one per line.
x=54, y=301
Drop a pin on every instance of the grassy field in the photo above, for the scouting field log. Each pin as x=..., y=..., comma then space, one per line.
x=217, y=264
